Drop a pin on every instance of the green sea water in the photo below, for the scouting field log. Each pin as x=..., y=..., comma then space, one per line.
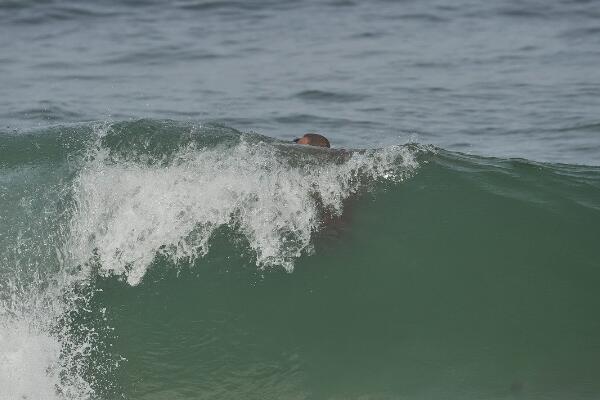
x=161, y=260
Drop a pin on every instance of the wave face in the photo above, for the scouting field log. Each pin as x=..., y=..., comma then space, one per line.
x=157, y=259
x=526, y=85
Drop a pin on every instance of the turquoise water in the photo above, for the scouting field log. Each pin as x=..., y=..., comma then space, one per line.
x=132, y=269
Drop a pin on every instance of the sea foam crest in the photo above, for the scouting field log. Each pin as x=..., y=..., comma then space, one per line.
x=274, y=195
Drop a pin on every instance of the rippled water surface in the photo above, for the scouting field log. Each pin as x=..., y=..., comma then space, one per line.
x=508, y=78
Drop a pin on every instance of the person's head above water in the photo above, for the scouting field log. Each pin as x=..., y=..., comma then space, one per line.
x=313, y=139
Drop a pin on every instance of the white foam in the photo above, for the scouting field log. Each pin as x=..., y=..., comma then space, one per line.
x=125, y=212
x=130, y=210
x=38, y=357
x=28, y=362
x=33, y=360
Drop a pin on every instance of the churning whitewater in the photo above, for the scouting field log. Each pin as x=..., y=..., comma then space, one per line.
x=131, y=206
x=109, y=198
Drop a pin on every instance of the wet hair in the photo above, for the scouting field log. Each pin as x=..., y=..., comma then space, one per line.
x=313, y=139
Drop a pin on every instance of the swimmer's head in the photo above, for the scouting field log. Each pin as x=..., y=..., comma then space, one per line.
x=313, y=139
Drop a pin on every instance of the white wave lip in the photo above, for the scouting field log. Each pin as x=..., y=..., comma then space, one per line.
x=129, y=211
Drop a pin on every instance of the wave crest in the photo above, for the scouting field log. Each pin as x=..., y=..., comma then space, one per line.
x=273, y=194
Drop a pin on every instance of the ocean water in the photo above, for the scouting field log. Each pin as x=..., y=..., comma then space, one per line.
x=161, y=237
